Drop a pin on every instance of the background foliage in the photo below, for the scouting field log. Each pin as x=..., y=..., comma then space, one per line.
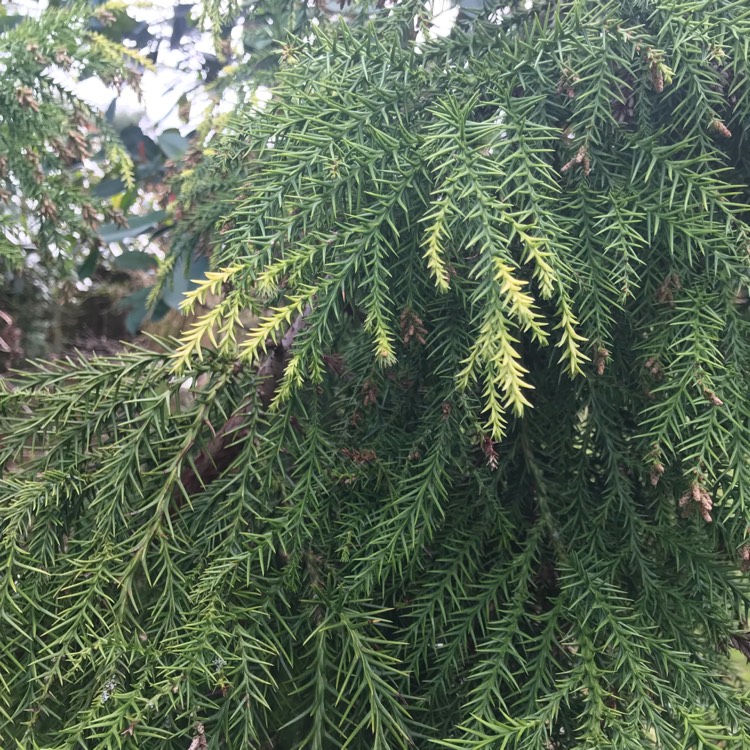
x=51, y=142
x=74, y=265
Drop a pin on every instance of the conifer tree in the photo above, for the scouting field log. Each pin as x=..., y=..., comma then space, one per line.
x=479, y=476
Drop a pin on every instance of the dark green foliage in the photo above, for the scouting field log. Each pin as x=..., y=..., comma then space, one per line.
x=498, y=496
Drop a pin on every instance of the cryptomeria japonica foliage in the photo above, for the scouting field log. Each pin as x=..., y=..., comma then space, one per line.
x=478, y=477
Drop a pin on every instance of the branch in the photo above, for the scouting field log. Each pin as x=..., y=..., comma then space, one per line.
x=226, y=445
